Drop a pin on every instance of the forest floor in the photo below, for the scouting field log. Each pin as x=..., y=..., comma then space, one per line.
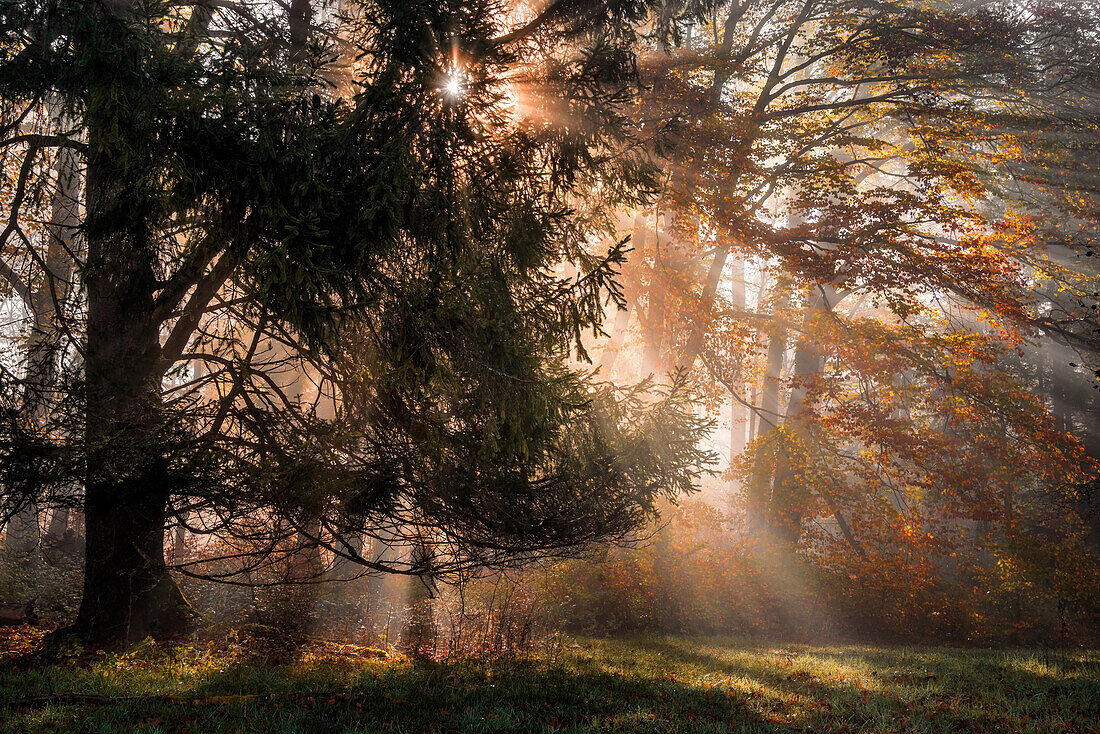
x=644, y=684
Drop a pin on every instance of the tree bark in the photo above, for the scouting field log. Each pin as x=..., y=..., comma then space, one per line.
x=759, y=493
x=789, y=493
x=46, y=293
x=300, y=15
x=128, y=592
x=788, y=489
x=615, y=344
x=706, y=303
x=421, y=632
x=654, y=322
x=380, y=586
x=738, y=416
x=64, y=222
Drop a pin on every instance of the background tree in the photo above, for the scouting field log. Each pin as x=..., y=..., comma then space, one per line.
x=871, y=161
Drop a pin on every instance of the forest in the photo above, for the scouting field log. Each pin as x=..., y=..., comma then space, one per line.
x=549, y=365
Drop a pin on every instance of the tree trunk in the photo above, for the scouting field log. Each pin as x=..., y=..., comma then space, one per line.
x=789, y=493
x=615, y=344
x=788, y=490
x=128, y=593
x=738, y=417
x=767, y=422
x=420, y=630
x=706, y=302
x=300, y=15
x=59, y=524
x=22, y=533
x=43, y=339
x=64, y=223
x=654, y=323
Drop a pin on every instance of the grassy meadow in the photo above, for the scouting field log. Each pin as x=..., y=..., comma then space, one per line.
x=645, y=684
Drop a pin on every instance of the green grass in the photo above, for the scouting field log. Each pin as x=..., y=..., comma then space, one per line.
x=651, y=684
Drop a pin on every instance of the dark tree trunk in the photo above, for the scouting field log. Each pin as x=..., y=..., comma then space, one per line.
x=179, y=540
x=24, y=532
x=128, y=593
x=63, y=243
x=300, y=16
x=420, y=629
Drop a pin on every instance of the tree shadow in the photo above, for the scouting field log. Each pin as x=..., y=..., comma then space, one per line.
x=922, y=689
x=640, y=685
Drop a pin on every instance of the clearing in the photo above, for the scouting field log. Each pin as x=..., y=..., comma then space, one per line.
x=643, y=684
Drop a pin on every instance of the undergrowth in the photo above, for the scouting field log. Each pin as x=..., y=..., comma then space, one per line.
x=644, y=684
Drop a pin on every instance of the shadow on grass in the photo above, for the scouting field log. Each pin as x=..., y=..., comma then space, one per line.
x=904, y=689
x=644, y=685
x=464, y=697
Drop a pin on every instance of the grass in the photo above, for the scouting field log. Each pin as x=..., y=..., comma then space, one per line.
x=647, y=684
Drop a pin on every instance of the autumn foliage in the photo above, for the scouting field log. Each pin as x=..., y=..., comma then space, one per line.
x=694, y=576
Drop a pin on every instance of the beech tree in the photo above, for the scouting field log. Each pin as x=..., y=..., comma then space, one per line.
x=317, y=293
x=870, y=159
x=870, y=212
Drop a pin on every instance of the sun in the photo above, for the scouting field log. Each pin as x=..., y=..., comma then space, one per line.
x=452, y=86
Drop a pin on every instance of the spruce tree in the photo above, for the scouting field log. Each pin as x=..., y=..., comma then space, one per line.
x=334, y=265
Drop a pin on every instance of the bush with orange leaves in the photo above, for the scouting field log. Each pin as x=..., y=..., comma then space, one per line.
x=696, y=573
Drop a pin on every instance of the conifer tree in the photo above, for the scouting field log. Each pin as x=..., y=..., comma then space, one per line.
x=320, y=293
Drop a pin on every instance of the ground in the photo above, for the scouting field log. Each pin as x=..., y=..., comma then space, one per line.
x=646, y=684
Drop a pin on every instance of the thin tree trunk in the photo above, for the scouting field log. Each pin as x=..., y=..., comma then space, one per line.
x=788, y=490
x=57, y=527
x=378, y=584
x=710, y=290
x=420, y=631
x=754, y=398
x=789, y=494
x=759, y=494
x=618, y=335
x=300, y=16
x=722, y=75
x=654, y=324
x=738, y=418
x=44, y=339
x=22, y=533
x=64, y=221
